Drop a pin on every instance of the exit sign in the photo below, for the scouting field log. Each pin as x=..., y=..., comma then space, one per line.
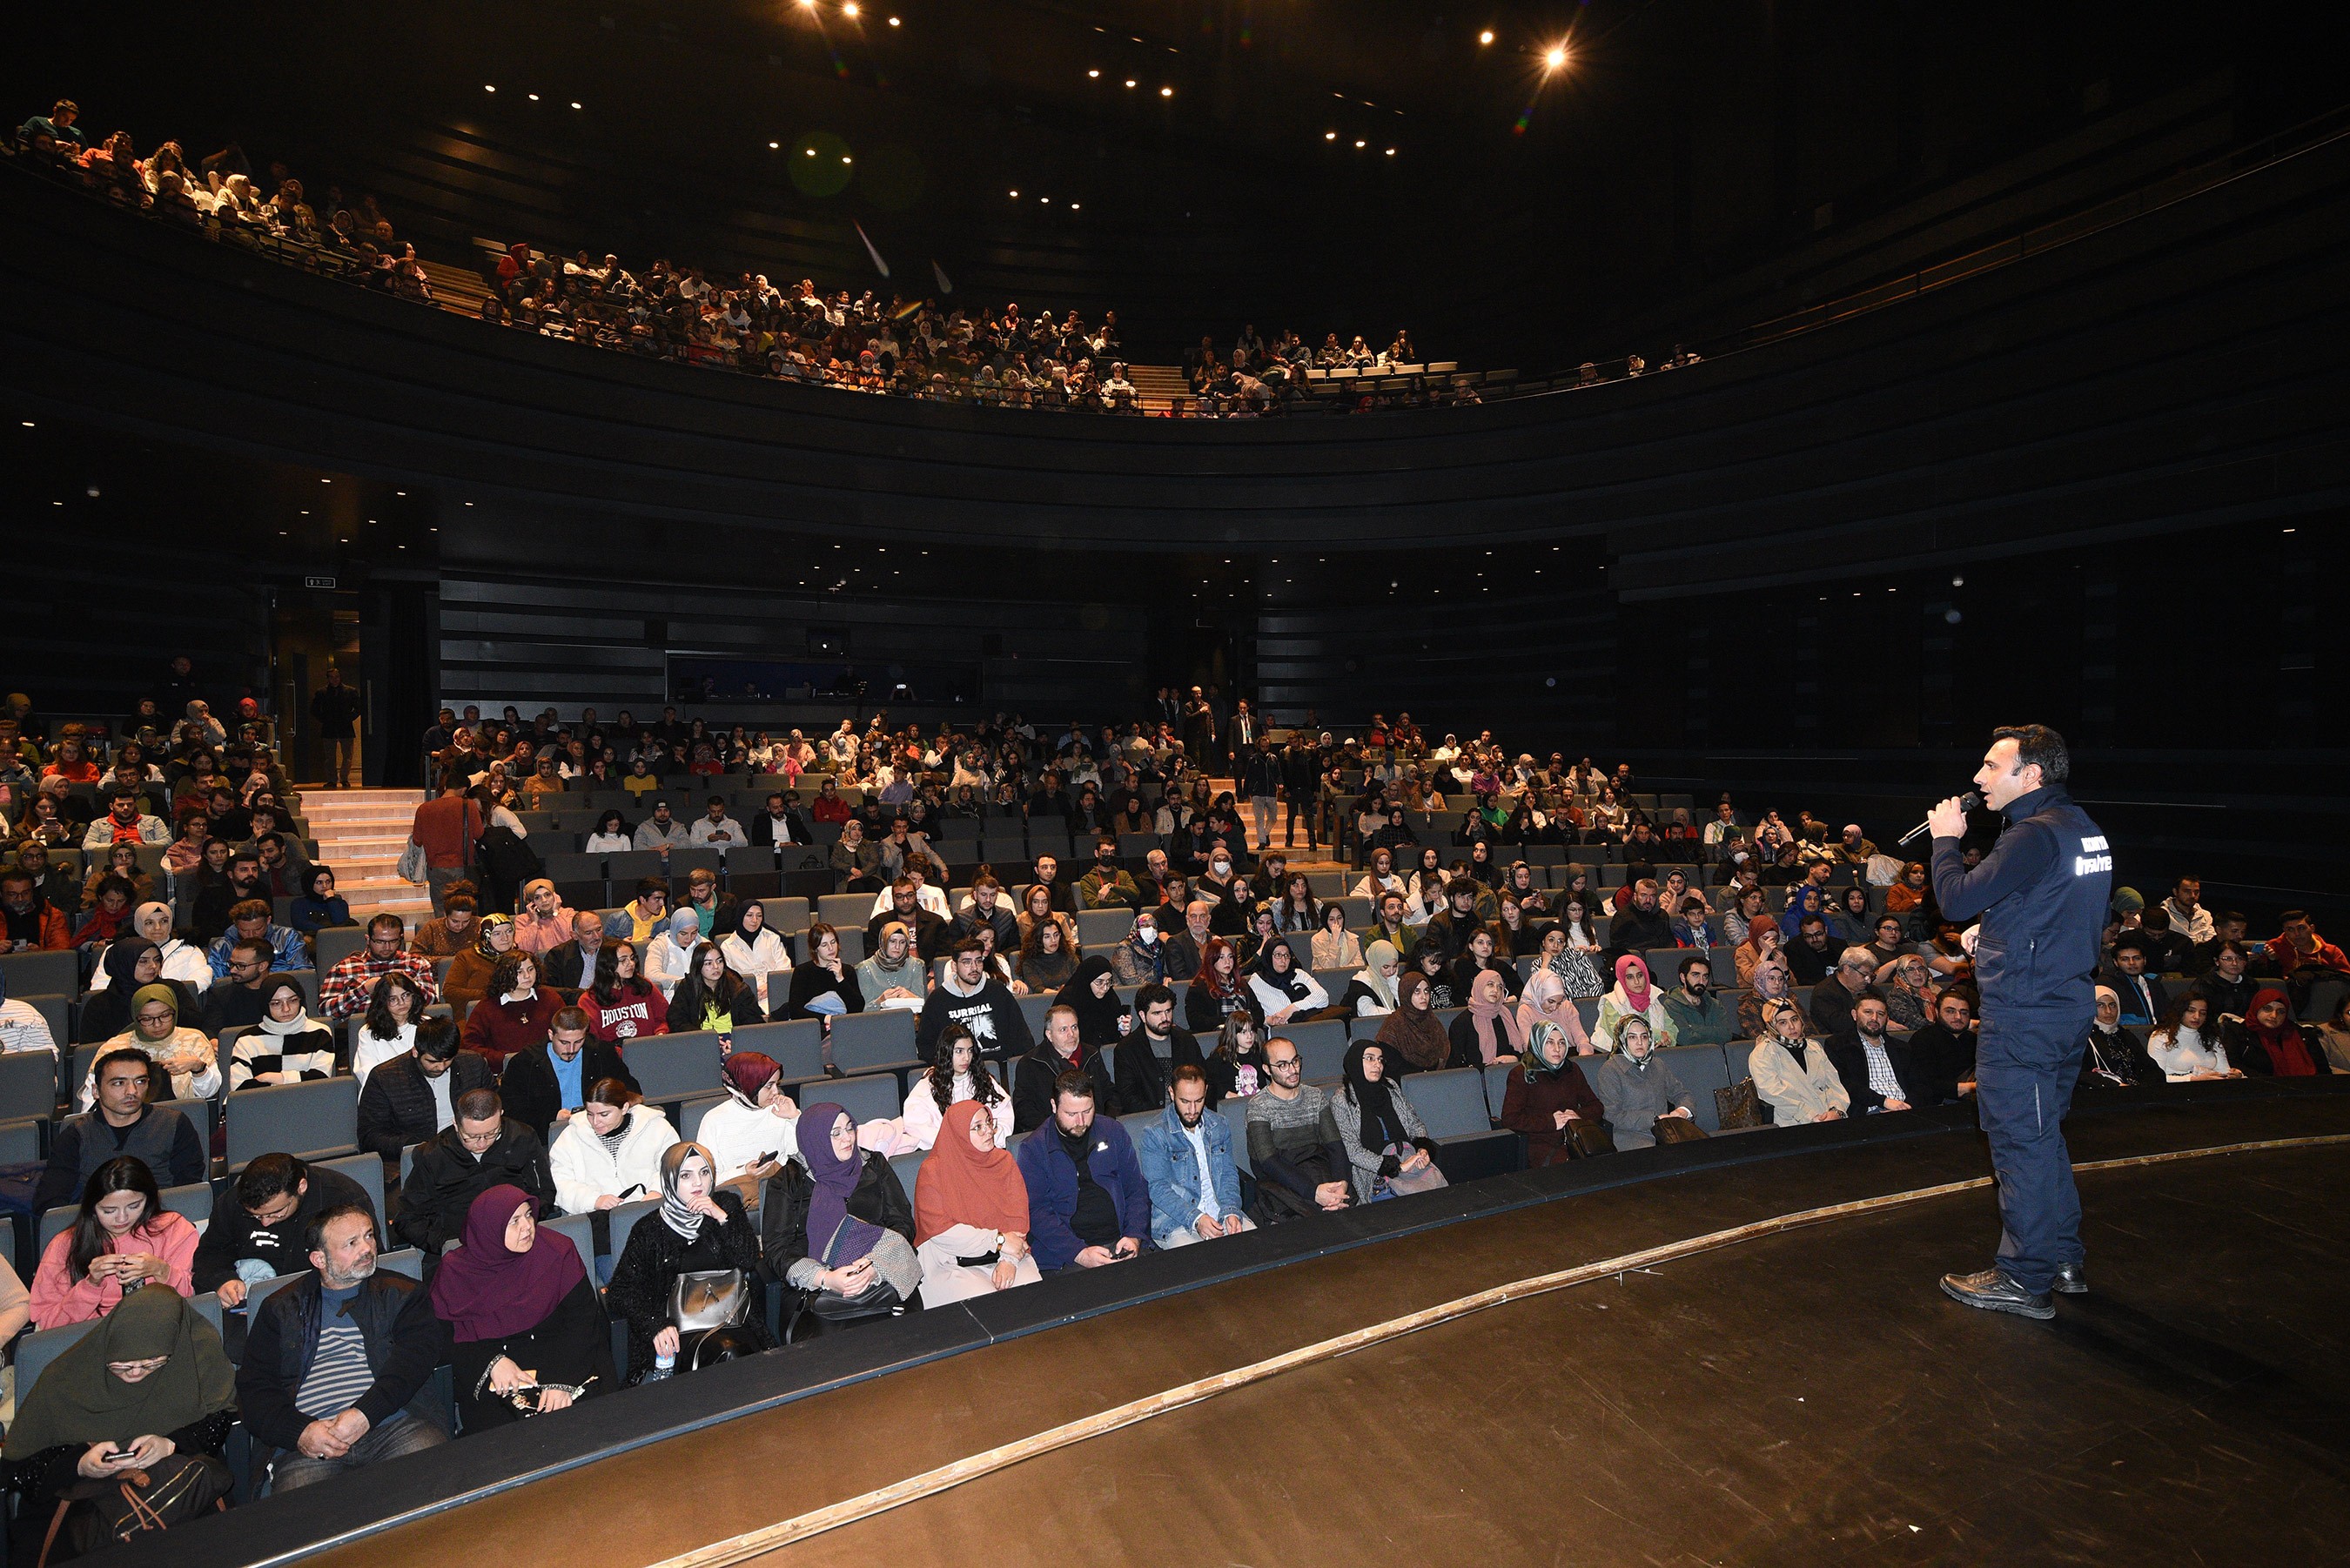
x=317, y=582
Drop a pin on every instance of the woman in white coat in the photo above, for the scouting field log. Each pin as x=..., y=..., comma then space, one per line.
x=755, y=952
x=1793, y=1073
x=611, y=1152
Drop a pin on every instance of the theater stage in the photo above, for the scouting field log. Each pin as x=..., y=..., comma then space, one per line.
x=1777, y=1382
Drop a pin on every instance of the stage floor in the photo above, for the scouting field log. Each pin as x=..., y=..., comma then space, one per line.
x=1801, y=1396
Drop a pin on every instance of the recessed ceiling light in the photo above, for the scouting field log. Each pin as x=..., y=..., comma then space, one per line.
x=487, y=88
x=1129, y=81
x=843, y=158
x=1047, y=200
x=1391, y=152
x=1362, y=144
x=849, y=10
x=574, y=103
x=775, y=144
x=893, y=21
x=1092, y=74
x=29, y=424
x=1166, y=92
x=811, y=152
x=1329, y=136
x=1075, y=205
x=1015, y=195
x=1486, y=36
x=1555, y=58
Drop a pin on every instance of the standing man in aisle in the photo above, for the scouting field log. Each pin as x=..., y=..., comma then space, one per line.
x=2041, y=897
x=334, y=708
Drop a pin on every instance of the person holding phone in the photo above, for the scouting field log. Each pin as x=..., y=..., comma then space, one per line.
x=146, y=1395
x=123, y=1241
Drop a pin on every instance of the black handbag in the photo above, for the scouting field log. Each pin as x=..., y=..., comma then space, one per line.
x=1589, y=1136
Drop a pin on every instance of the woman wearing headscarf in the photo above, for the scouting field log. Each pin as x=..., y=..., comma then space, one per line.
x=837, y=1224
x=1283, y=990
x=1413, y=1040
x=122, y=1241
x=1637, y=1088
x=180, y=962
x=1764, y=943
x=1546, y=1090
x=523, y=1316
x=1545, y=1000
x=2269, y=1044
x=610, y=1154
x=127, y=965
x=1801, y=900
x=1908, y=985
x=1091, y=994
x=471, y=971
x=287, y=1046
x=187, y=1053
x=1371, y=993
x=149, y=1392
x=971, y=1211
x=1792, y=1071
x=1377, y=1128
x=2111, y=1056
x=895, y=975
x=1489, y=1031
x=700, y=1229
x=749, y=1134
x=1633, y=997
x=1773, y=981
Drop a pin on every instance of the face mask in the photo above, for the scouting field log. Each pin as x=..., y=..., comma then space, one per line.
x=1223, y=867
x=1147, y=936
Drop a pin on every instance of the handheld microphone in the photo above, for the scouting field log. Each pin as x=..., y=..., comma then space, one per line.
x=1969, y=801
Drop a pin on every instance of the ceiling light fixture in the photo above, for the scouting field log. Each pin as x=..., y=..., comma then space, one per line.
x=1329, y=136
x=771, y=145
x=1166, y=92
x=1362, y=144
x=1092, y=74
x=534, y=97
x=893, y=21
x=1554, y=58
x=1486, y=36
x=1075, y=205
x=1129, y=81
x=849, y=10
x=574, y=103
x=487, y=88
x=1391, y=152
x=1015, y=195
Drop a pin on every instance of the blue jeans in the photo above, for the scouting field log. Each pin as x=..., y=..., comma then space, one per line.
x=388, y=1439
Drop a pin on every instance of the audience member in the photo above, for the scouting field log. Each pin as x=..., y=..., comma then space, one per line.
x=1545, y=1091
x=1942, y=1053
x=1637, y=1086
x=1633, y=997
x=1186, y=1158
x=480, y=1148
x=2185, y=1043
x=121, y=1123
x=544, y=1086
x=260, y=1235
x=338, y=1367
x=1387, y=1149
x=1295, y=1151
x=836, y=1223
x=121, y=1239
x=1087, y=1203
x=1792, y=1072
x=971, y=1208
x=528, y=1333
x=1878, y=1070
x=514, y=1012
x=609, y=1153
x=410, y=1098
x=287, y=1046
x=749, y=1133
x=700, y=1230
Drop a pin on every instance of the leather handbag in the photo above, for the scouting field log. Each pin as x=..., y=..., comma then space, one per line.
x=1589, y=1136
x=1737, y=1106
x=1677, y=1129
x=709, y=1298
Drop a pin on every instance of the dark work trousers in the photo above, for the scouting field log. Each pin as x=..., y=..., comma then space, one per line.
x=2027, y=1061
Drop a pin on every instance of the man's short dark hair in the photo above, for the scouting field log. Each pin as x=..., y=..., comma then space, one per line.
x=437, y=1038
x=478, y=1104
x=252, y=947
x=2136, y=943
x=126, y=1053
x=1074, y=1084
x=568, y=1018
x=652, y=885
x=269, y=1175
x=386, y=923
x=314, y=1234
x=1151, y=995
x=277, y=838
x=1870, y=994
x=1692, y=961
x=1810, y=920
x=965, y=945
x=248, y=909
x=122, y=791
x=2038, y=743
x=2290, y=916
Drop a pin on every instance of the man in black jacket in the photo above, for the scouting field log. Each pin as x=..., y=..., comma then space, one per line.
x=970, y=996
x=278, y=1196
x=1642, y=924
x=1835, y=993
x=337, y=1365
x=926, y=930
x=571, y=966
x=121, y=1123
x=334, y=708
x=782, y=824
x=410, y=1098
x=989, y=908
x=1942, y=1053
x=544, y=1084
x=1877, y=1069
x=1301, y=789
x=482, y=1148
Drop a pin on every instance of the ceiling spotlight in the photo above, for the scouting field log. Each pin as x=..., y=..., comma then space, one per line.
x=1047, y=200
x=1015, y=195
x=893, y=21
x=811, y=152
x=533, y=97
x=1362, y=144
x=771, y=145
x=849, y=10
x=1166, y=92
x=1092, y=74
x=1129, y=81
x=1554, y=58
x=1391, y=152
x=29, y=424
x=487, y=88
x=843, y=158
x=1075, y=205
x=1486, y=36
x=574, y=103
x=1329, y=136
x=90, y=491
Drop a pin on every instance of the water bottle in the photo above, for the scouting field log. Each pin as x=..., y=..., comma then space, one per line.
x=663, y=1366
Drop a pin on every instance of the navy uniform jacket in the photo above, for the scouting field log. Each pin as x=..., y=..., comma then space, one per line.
x=2041, y=894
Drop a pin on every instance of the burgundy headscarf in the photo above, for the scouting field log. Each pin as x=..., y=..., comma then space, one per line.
x=2288, y=1051
x=835, y=1183
x=747, y=1072
x=483, y=1292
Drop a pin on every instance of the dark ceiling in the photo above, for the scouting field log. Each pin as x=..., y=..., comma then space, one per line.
x=1519, y=211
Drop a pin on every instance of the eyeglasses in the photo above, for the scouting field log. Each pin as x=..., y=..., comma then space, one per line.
x=158, y=1017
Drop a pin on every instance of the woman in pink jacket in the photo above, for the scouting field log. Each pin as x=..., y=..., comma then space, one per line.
x=123, y=1239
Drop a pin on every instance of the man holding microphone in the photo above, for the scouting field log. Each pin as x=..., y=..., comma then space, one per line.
x=2040, y=898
